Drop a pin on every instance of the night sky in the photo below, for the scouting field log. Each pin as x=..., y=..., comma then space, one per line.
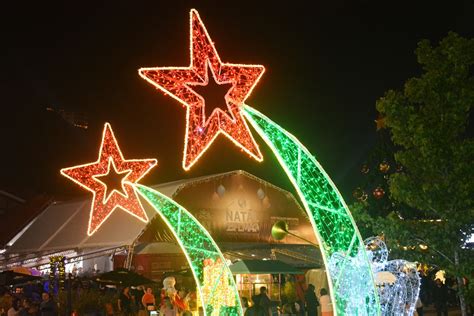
x=326, y=67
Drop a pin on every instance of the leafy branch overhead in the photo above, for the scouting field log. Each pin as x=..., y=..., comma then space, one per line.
x=432, y=193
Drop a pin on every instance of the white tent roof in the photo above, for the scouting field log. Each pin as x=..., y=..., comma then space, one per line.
x=63, y=225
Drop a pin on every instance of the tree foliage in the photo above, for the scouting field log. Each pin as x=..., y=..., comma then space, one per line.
x=428, y=123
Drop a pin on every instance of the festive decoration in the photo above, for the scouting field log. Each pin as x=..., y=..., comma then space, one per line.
x=57, y=264
x=91, y=177
x=365, y=169
x=221, y=190
x=168, y=290
x=378, y=193
x=349, y=272
x=218, y=293
x=380, y=122
x=384, y=166
x=359, y=194
x=397, y=281
x=178, y=82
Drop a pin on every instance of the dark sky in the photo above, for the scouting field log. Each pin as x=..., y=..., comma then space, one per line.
x=326, y=66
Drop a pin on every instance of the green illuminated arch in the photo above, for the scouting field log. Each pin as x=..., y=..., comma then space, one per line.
x=347, y=267
x=199, y=249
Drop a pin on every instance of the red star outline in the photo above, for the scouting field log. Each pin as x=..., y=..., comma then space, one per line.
x=104, y=203
x=107, y=194
x=178, y=81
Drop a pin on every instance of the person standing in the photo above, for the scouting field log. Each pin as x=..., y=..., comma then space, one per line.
x=15, y=309
x=168, y=309
x=255, y=309
x=419, y=307
x=311, y=301
x=29, y=309
x=148, y=300
x=245, y=303
x=125, y=302
x=440, y=298
x=325, y=301
x=181, y=300
x=264, y=301
x=48, y=307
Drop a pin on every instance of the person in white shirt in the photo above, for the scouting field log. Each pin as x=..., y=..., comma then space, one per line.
x=325, y=302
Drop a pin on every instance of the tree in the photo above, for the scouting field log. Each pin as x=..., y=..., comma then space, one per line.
x=428, y=123
x=374, y=202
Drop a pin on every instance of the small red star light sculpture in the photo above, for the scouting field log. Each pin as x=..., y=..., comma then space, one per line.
x=201, y=131
x=92, y=177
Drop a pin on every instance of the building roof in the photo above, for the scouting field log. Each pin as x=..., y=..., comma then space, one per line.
x=62, y=225
x=16, y=219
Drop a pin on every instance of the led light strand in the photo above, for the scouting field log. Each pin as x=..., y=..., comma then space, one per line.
x=103, y=201
x=201, y=131
x=398, y=282
x=348, y=269
x=214, y=280
x=57, y=263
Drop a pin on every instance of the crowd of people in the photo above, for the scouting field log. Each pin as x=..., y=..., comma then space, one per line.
x=93, y=299
x=167, y=301
x=34, y=300
x=23, y=306
x=176, y=303
x=261, y=305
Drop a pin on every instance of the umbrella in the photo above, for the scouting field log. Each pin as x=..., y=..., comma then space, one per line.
x=11, y=277
x=123, y=277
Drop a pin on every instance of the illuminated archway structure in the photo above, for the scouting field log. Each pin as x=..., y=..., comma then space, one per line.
x=218, y=292
x=215, y=284
x=350, y=276
x=348, y=269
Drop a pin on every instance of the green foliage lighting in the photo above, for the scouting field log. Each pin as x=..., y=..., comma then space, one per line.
x=348, y=269
x=199, y=249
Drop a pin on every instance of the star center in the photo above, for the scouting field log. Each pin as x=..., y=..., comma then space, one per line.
x=113, y=181
x=214, y=93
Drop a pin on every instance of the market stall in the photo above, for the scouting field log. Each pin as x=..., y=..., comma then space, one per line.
x=251, y=275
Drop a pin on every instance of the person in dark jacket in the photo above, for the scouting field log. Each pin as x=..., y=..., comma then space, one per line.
x=311, y=301
x=48, y=307
x=440, y=298
x=125, y=302
x=264, y=301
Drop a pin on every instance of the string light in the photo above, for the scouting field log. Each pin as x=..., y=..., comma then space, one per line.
x=398, y=295
x=57, y=263
x=217, y=289
x=105, y=201
x=214, y=280
x=177, y=82
x=349, y=272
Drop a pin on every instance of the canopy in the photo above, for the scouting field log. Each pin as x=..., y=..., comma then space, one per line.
x=11, y=277
x=262, y=267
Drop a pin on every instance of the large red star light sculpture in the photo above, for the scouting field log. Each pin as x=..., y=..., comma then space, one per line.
x=105, y=200
x=178, y=82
